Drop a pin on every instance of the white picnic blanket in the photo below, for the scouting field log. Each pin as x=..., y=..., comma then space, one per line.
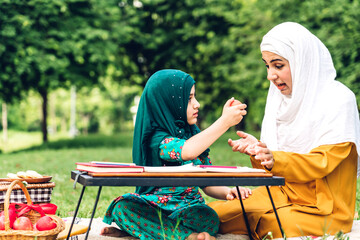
x=97, y=225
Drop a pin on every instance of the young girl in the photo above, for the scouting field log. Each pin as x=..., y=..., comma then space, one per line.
x=166, y=135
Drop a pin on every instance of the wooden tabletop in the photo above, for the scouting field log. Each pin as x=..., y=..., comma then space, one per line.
x=184, y=174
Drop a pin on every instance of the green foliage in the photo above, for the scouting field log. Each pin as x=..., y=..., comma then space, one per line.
x=50, y=44
x=173, y=229
x=104, y=109
x=45, y=45
x=25, y=115
x=217, y=44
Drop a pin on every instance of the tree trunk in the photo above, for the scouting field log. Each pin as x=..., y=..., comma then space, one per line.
x=52, y=112
x=73, y=129
x=44, y=96
x=4, y=122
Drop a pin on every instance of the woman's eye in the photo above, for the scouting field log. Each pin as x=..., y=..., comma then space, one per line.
x=279, y=66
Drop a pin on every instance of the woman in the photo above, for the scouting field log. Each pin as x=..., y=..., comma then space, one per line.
x=166, y=134
x=310, y=136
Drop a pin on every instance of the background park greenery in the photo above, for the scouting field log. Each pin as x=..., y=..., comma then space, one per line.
x=104, y=51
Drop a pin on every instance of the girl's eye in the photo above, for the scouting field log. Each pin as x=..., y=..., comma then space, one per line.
x=279, y=66
x=267, y=66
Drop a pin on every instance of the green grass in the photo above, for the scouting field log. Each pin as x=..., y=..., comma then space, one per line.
x=19, y=140
x=58, y=164
x=58, y=158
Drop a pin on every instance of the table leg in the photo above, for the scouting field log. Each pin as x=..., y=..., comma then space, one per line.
x=76, y=211
x=276, y=215
x=93, y=212
x=244, y=213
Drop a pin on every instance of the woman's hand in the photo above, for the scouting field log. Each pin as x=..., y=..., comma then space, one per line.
x=244, y=192
x=264, y=154
x=245, y=145
x=233, y=112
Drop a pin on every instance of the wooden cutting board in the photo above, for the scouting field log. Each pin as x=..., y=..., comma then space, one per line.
x=76, y=230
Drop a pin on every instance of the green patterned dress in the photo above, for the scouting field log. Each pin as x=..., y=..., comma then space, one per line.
x=167, y=212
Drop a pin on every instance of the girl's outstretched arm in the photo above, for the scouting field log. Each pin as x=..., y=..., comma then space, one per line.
x=226, y=193
x=232, y=114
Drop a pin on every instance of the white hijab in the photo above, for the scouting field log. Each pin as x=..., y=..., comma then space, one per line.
x=320, y=109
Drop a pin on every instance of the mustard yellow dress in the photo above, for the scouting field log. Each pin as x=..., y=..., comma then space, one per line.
x=318, y=196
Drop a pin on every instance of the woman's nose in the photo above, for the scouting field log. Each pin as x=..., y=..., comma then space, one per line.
x=271, y=75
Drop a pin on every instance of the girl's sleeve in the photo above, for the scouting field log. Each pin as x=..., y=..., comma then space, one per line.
x=171, y=148
x=316, y=164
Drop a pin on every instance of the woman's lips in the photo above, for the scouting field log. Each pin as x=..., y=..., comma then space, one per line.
x=281, y=86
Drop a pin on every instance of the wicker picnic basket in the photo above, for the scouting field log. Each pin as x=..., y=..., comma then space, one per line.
x=10, y=234
x=39, y=193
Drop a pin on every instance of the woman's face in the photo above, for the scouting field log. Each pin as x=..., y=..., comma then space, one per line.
x=278, y=71
x=192, y=108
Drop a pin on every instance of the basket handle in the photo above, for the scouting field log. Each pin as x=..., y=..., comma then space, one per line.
x=7, y=200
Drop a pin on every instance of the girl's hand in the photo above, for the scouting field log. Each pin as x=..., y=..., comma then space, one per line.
x=245, y=193
x=245, y=145
x=233, y=112
x=264, y=154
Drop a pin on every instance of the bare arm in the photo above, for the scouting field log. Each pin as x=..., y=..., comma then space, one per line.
x=226, y=193
x=233, y=113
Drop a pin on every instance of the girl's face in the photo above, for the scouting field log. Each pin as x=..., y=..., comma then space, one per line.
x=278, y=71
x=192, y=108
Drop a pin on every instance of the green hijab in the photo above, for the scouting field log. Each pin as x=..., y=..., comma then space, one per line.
x=162, y=112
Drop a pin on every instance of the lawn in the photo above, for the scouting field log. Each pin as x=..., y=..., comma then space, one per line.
x=58, y=158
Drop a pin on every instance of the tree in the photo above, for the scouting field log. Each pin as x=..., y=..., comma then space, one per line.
x=336, y=24
x=214, y=41
x=50, y=44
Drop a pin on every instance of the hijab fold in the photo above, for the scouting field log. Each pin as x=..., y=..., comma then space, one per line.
x=320, y=110
x=162, y=112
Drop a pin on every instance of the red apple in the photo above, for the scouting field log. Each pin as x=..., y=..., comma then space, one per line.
x=12, y=217
x=45, y=223
x=2, y=222
x=22, y=223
